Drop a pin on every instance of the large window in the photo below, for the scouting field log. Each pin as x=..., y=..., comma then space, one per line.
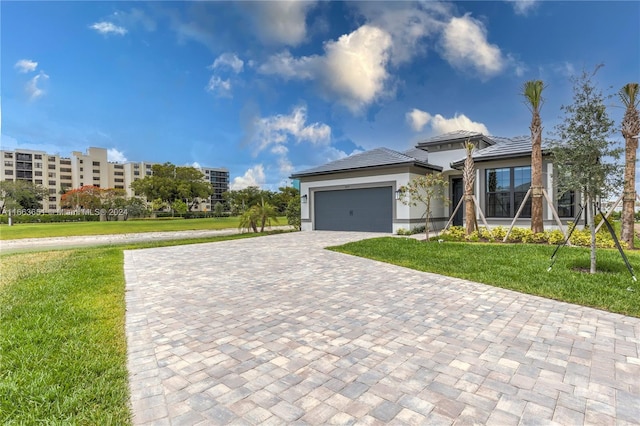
x=505, y=190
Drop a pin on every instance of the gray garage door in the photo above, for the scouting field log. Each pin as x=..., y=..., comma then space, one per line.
x=366, y=209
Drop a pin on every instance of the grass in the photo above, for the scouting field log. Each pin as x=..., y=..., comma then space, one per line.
x=519, y=267
x=62, y=342
x=65, y=229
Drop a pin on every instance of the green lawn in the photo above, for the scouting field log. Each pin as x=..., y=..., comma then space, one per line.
x=62, y=340
x=519, y=267
x=41, y=230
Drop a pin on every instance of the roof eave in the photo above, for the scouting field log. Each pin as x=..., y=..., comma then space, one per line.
x=381, y=166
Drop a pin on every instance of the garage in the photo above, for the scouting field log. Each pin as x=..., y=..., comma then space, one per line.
x=363, y=209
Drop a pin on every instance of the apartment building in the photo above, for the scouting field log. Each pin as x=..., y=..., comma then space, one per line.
x=57, y=173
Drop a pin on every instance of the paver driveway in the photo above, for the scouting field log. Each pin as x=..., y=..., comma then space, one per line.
x=276, y=330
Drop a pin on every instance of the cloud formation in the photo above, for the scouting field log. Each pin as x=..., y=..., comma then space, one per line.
x=33, y=89
x=106, y=28
x=219, y=87
x=229, y=61
x=465, y=47
x=281, y=22
x=25, y=65
x=523, y=7
x=113, y=155
x=252, y=177
x=276, y=131
x=353, y=68
x=418, y=119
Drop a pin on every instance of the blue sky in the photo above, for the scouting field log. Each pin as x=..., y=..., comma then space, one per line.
x=268, y=88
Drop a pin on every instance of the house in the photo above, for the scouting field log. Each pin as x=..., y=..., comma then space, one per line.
x=360, y=192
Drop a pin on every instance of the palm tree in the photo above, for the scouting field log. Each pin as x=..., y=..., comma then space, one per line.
x=630, y=132
x=468, y=177
x=532, y=91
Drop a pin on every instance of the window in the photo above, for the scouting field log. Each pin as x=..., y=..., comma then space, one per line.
x=118, y=166
x=8, y=155
x=8, y=172
x=96, y=163
x=37, y=156
x=505, y=190
x=65, y=162
x=96, y=171
x=37, y=165
x=52, y=191
x=24, y=157
x=52, y=199
x=65, y=177
x=52, y=174
x=38, y=181
x=136, y=173
x=52, y=166
x=52, y=183
x=118, y=173
x=52, y=207
x=566, y=204
x=65, y=169
x=119, y=180
x=37, y=173
x=8, y=163
x=119, y=186
x=52, y=159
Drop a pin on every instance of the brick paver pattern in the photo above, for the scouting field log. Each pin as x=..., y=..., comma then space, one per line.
x=278, y=330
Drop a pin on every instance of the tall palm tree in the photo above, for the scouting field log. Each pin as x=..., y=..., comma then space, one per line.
x=630, y=131
x=532, y=91
x=468, y=178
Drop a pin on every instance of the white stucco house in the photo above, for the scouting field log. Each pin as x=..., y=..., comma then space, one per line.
x=359, y=192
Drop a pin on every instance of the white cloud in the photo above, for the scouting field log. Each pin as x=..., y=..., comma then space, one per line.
x=408, y=24
x=219, y=87
x=195, y=164
x=419, y=119
x=465, y=45
x=277, y=130
x=252, y=177
x=228, y=60
x=32, y=88
x=113, y=155
x=286, y=66
x=282, y=22
x=26, y=65
x=353, y=67
x=523, y=7
x=108, y=28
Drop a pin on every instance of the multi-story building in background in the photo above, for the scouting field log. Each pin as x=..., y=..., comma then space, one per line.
x=56, y=173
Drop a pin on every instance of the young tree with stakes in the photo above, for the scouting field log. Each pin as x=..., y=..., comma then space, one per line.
x=532, y=92
x=630, y=131
x=424, y=190
x=584, y=156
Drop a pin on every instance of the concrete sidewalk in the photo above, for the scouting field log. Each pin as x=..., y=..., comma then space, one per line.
x=278, y=330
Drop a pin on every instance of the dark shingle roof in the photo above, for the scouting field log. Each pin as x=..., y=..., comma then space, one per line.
x=457, y=136
x=519, y=146
x=373, y=158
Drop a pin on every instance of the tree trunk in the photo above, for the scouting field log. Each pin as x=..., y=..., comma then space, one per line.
x=537, y=224
x=592, y=228
x=629, y=196
x=426, y=224
x=468, y=178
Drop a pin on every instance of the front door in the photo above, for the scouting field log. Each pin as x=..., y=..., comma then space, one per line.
x=457, y=192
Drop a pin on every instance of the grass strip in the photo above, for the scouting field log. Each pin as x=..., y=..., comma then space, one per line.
x=519, y=267
x=63, y=351
x=66, y=229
